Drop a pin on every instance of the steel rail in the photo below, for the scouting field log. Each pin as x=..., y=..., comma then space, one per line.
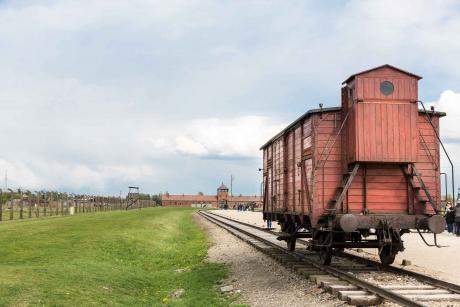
x=386, y=294
x=391, y=269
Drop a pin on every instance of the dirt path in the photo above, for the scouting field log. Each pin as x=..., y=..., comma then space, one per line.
x=260, y=280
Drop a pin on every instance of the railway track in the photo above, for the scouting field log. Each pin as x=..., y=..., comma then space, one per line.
x=350, y=278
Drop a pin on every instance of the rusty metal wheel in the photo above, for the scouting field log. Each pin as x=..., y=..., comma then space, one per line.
x=290, y=229
x=325, y=252
x=387, y=256
x=291, y=243
x=325, y=255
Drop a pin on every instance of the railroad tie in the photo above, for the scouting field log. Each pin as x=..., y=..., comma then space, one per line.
x=324, y=276
x=301, y=265
x=307, y=272
x=364, y=300
x=344, y=294
x=434, y=297
x=331, y=279
x=335, y=288
x=408, y=287
x=325, y=283
x=421, y=292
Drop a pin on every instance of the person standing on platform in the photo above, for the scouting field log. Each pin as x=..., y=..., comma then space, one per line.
x=450, y=218
x=457, y=220
x=269, y=224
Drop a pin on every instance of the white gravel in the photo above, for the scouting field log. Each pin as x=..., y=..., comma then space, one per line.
x=259, y=280
x=254, y=218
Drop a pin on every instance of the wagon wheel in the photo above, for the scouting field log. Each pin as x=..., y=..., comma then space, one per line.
x=387, y=256
x=291, y=243
x=325, y=253
x=291, y=230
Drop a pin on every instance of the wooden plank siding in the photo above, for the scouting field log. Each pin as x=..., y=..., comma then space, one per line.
x=385, y=132
x=328, y=159
x=387, y=190
x=428, y=159
x=383, y=128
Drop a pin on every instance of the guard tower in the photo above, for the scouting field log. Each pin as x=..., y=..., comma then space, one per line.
x=133, y=198
x=222, y=195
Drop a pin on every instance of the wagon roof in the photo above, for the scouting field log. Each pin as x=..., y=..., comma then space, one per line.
x=379, y=67
x=323, y=110
x=294, y=123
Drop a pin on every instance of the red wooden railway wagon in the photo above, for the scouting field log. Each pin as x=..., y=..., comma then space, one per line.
x=359, y=175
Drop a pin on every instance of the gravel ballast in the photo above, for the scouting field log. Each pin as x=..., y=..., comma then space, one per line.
x=259, y=280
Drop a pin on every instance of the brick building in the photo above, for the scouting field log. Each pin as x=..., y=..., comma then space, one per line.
x=211, y=201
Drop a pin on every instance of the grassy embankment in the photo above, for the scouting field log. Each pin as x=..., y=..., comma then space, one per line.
x=112, y=258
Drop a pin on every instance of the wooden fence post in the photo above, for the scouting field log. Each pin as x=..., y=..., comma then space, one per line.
x=29, y=203
x=21, y=208
x=37, y=210
x=45, y=202
x=50, y=209
x=11, y=207
x=1, y=205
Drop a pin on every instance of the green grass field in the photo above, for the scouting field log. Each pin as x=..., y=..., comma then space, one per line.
x=112, y=258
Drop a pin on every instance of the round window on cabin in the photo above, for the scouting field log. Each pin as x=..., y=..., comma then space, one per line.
x=387, y=88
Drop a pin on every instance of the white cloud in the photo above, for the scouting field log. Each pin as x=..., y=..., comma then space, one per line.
x=96, y=95
x=186, y=146
x=449, y=102
x=239, y=137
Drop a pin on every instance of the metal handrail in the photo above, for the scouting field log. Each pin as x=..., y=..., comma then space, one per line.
x=442, y=145
x=332, y=146
x=445, y=185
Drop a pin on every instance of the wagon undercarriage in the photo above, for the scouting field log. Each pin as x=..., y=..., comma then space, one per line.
x=381, y=232
x=387, y=240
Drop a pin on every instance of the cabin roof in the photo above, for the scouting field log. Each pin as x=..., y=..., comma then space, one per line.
x=222, y=187
x=380, y=67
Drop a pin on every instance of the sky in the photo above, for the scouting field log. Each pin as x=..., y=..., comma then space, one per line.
x=176, y=96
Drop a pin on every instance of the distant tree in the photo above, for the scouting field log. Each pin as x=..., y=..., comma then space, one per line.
x=143, y=196
x=200, y=193
x=157, y=198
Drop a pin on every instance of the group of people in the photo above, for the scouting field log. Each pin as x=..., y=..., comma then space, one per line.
x=452, y=217
x=245, y=207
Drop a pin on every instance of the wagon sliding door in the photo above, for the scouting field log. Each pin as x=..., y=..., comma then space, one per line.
x=305, y=167
x=278, y=176
x=306, y=185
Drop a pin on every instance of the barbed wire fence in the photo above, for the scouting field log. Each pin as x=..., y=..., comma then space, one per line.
x=19, y=205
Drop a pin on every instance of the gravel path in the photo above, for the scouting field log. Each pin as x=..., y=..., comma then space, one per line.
x=260, y=280
x=254, y=218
